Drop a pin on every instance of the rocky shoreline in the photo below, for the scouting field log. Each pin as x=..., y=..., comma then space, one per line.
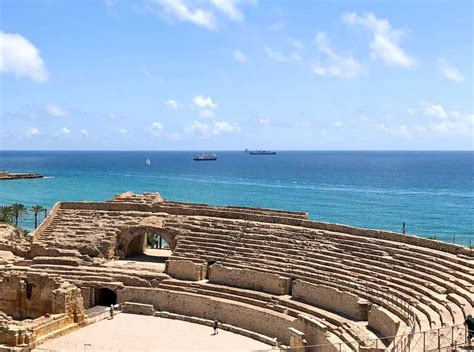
x=5, y=175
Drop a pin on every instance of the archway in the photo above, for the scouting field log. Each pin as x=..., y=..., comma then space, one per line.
x=132, y=241
x=136, y=245
x=105, y=297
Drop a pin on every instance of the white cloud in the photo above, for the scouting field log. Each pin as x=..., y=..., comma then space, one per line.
x=206, y=113
x=21, y=57
x=435, y=110
x=225, y=127
x=202, y=13
x=216, y=127
x=364, y=118
x=84, y=133
x=156, y=129
x=229, y=8
x=181, y=10
x=239, y=56
x=411, y=111
x=448, y=122
x=339, y=66
x=64, y=131
x=204, y=102
x=198, y=128
x=337, y=124
x=456, y=124
x=263, y=121
x=55, y=110
x=32, y=131
x=123, y=131
x=385, y=40
x=276, y=55
x=296, y=44
x=449, y=72
x=171, y=104
x=112, y=116
x=438, y=121
x=295, y=56
x=401, y=131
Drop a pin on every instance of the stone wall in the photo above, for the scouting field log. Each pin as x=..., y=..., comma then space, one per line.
x=260, y=320
x=48, y=303
x=383, y=321
x=138, y=308
x=315, y=333
x=330, y=298
x=250, y=279
x=277, y=218
x=186, y=270
x=34, y=295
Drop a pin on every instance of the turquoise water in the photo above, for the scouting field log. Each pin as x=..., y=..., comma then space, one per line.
x=432, y=192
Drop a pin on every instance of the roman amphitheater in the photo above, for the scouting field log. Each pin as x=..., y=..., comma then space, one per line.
x=272, y=276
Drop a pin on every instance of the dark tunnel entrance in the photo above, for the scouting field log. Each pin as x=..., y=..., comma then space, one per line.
x=105, y=297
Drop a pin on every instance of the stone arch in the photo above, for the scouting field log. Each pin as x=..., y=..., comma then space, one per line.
x=132, y=240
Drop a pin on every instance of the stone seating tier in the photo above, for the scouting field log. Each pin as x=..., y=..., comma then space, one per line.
x=424, y=284
x=431, y=285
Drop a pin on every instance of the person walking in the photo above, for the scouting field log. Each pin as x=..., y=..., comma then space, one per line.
x=215, y=326
x=112, y=311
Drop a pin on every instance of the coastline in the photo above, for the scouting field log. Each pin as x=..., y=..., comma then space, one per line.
x=5, y=175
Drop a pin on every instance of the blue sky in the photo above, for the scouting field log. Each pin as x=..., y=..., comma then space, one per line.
x=229, y=74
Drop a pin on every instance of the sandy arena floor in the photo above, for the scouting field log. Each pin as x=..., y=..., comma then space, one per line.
x=130, y=332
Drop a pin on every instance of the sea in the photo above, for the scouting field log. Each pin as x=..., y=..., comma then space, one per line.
x=431, y=192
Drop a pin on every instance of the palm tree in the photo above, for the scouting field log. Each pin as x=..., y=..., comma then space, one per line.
x=18, y=212
x=36, y=209
x=6, y=214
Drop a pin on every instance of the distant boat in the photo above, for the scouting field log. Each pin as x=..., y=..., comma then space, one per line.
x=147, y=162
x=205, y=157
x=261, y=152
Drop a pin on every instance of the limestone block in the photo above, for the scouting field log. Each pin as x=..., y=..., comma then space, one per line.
x=186, y=270
x=138, y=308
x=330, y=298
x=249, y=279
x=381, y=320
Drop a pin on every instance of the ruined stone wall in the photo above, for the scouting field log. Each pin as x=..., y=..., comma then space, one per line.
x=330, y=298
x=186, y=270
x=269, y=217
x=34, y=295
x=315, y=334
x=250, y=279
x=383, y=321
x=12, y=240
x=259, y=320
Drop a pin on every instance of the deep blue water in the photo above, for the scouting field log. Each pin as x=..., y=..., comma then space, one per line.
x=433, y=192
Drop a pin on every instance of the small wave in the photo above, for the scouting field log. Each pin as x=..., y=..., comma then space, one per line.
x=49, y=177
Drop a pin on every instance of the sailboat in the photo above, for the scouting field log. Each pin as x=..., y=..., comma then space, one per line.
x=147, y=162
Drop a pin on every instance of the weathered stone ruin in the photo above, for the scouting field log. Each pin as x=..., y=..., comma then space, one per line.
x=260, y=272
x=36, y=306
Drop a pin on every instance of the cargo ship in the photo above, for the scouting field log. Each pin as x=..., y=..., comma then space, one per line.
x=205, y=157
x=260, y=152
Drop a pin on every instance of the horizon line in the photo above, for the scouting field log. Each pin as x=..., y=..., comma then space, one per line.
x=236, y=150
